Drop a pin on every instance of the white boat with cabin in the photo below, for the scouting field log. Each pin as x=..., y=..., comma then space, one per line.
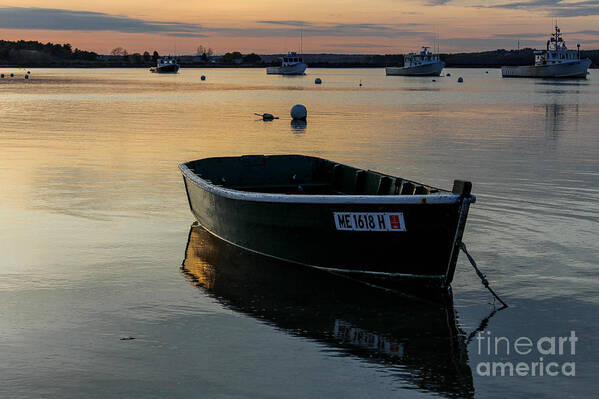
x=291, y=64
x=424, y=63
x=554, y=62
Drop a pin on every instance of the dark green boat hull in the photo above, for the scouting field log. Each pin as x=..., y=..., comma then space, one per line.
x=306, y=233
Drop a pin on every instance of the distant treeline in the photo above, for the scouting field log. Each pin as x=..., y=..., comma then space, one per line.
x=32, y=53
x=498, y=58
x=29, y=53
x=24, y=53
x=484, y=59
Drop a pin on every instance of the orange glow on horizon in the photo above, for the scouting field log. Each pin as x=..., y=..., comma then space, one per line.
x=330, y=26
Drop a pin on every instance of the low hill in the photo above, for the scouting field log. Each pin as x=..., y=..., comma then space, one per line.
x=32, y=53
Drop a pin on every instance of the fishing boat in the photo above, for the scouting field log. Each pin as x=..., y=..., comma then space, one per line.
x=554, y=62
x=424, y=63
x=166, y=65
x=291, y=64
x=376, y=228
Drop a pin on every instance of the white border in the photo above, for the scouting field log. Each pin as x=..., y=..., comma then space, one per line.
x=320, y=199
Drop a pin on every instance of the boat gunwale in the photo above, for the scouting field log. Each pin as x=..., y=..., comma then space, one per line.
x=233, y=194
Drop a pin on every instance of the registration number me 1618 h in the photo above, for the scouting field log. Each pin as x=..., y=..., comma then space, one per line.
x=369, y=221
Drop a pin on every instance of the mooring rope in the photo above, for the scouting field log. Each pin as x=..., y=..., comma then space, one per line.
x=482, y=277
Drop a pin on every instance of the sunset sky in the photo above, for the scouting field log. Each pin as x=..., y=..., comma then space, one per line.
x=269, y=26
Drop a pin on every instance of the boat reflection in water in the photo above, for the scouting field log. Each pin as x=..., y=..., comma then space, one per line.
x=418, y=342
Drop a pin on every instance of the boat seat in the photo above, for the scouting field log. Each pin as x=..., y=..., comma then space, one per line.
x=360, y=182
x=421, y=190
x=407, y=188
x=385, y=183
x=396, y=187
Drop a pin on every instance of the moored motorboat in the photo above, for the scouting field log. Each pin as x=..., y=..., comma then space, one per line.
x=554, y=62
x=166, y=65
x=291, y=64
x=370, y=226
x=424, y=63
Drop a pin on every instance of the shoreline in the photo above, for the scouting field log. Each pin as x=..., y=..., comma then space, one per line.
x=236, y=67
x=38, y=55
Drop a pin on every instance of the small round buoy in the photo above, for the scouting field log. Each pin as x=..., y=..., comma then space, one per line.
x=486, y=71
x=298, y=111
x=203, y=77
x=460, y=79
x=28, y=72
x=12, y=75
x=1, y=76
x=448, y=74
x=434, y=80
x=318, y=81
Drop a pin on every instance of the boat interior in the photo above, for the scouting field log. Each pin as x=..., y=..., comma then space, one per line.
x=299, y=174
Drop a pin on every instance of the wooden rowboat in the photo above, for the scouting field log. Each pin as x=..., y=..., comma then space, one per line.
x=365, y=225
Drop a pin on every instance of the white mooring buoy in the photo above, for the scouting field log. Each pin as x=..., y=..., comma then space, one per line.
x=460, y=79
x=318, y=81
x=298, y=111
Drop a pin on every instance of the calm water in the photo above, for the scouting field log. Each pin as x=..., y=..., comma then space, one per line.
x=94, y=227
